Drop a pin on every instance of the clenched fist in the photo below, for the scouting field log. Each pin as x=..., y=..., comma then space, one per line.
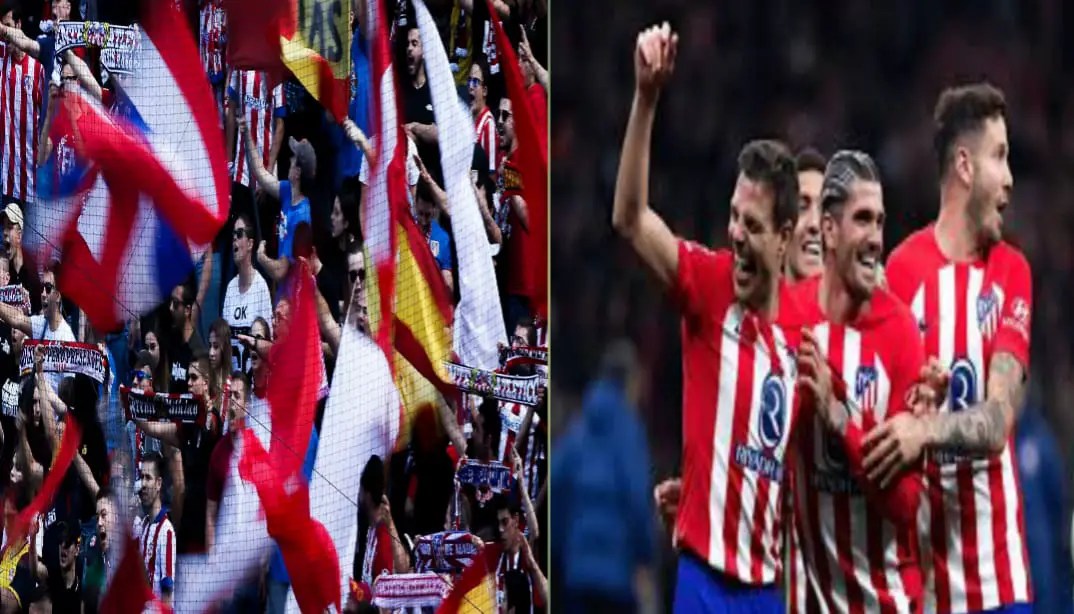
x=654, y=59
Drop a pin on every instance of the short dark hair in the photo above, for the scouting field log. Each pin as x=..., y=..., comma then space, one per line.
x=15, y=8
x=425, y=193
x=500, y=501
x=845, y=167
x=143, y=359
x=251, y=230
x=105, y=492
x=348, y=205
x=809, y=159
x=372, y=480
x=771, y=163
x=201, y=359
x=155, y=459
x=960, y=111
x=187, y=293
x=482, y=63
x=354, y=247
x=239, y=375
x=531, y=329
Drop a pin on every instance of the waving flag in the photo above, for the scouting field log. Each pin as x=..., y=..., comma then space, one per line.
x=315, y=43
x=533, y=164
x=479, y=324
x=475, y=590
x=137, y=234
x=360, y=420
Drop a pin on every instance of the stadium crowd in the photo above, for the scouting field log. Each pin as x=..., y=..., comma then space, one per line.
x=212, y=340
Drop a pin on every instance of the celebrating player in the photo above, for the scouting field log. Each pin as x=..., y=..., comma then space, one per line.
x=971, y=294
x=858, y=542
x=738, y=374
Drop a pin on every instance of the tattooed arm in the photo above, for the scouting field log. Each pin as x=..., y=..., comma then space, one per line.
x=983, y=428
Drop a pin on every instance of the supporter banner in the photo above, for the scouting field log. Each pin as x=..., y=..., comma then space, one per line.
x=10, y=394
x=15, y=296
x=184, y=408
x=409, y=590
x=65, y=357
x=489, y=478
x=510, y=357
x=445, y=552
x=117, y=43
x=510, y=388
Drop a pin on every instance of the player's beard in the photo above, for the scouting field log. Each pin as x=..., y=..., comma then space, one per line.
x=976, y=210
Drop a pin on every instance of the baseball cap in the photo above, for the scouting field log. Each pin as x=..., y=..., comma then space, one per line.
x=14, y=213
x=304, y=156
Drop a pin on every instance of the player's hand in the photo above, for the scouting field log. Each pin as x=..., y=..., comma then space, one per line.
x=815, y=375
x=937, y=379
x=892, y=447
x=654, y=59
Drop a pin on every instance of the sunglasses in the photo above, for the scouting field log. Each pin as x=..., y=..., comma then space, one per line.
x=474, y=82
x=48, y=286
x=142, y=375
x=240, y=233
x=71, y=78
x=356, y=275
x=504, y=115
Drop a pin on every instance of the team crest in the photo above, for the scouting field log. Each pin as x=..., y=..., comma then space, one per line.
x=988, y=312
x=866, y=389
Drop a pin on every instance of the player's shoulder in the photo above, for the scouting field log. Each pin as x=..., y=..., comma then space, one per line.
x=895, y=315
x=798, y=305
x=711, y=265
x=914, y=249
x=1009, y=257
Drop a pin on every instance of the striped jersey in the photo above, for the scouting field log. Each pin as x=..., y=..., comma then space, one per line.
x=21, y=97
x=212, y=23
x=157, y=545
x=854, y=556
x=971, y=523
x=260, y=106
x=511, y=417
x=738, y=413
x=485, y=126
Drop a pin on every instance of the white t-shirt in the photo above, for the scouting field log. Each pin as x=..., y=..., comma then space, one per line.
x=412, y=172
x=241, y=309
x=39, y=327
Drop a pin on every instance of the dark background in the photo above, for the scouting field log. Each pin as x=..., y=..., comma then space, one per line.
x=835, y=74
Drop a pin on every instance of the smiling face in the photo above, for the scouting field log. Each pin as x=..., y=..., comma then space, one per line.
x=804, y=255
x=756, y=242
x=854, y=235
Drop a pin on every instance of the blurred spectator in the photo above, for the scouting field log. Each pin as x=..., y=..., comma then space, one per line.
x=604, y=545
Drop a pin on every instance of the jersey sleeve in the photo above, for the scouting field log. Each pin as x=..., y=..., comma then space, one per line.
x=382, y=559
x=166, y=558
x=699, y=274
x=1012, y=336
x=899, y=501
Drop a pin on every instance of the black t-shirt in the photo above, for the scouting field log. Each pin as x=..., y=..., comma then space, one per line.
x=180, y=355
x=64, y=598
x=10, y=380
x=419, y=108
x=198, y=445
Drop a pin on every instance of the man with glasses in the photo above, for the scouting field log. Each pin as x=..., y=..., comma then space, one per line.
x=184, y=341
x=49, y=325
x=247, y=296
x=484, y=122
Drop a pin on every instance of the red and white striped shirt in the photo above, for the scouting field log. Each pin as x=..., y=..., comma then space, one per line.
x=485, y=126
x=212, y=24
x=738, y=413
x=858, y=554
x=972, y=523
x=511, y=417
x=260, y=106
x=157, y=545
x=21, y=94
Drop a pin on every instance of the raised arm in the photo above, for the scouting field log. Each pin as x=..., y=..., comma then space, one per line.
x=268, y=183
x=632, y=217
x=167, y=432
x=83, y=74
x=356, y=136
x=15, y=318
x=16, y=37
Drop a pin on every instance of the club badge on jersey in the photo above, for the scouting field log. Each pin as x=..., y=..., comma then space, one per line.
x=772, y=428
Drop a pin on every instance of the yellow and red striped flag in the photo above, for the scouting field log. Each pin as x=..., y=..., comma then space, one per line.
x=315, y=47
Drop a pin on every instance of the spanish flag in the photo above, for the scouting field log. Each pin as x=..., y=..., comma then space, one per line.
x=315, y=46
x=475, y=591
